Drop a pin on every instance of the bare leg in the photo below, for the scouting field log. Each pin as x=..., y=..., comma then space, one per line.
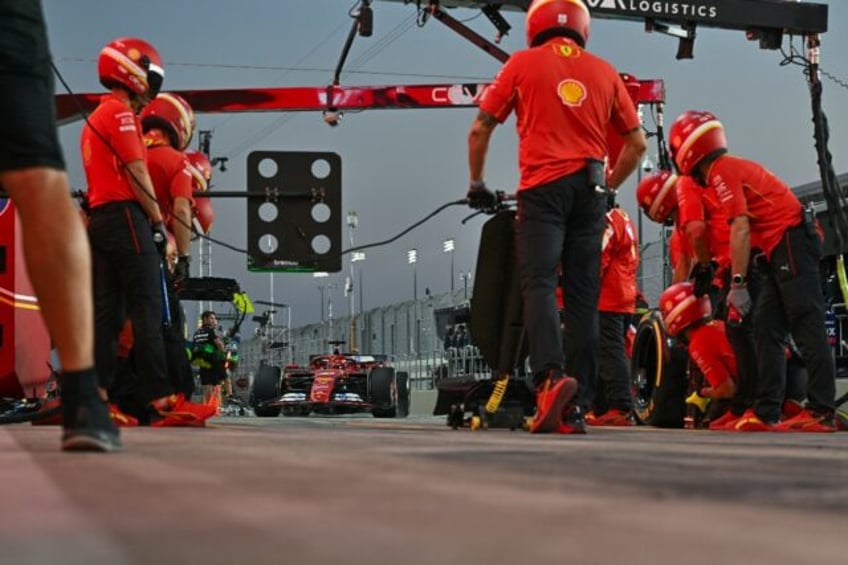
x=58, y=260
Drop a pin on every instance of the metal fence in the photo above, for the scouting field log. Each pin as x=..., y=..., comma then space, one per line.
x=406, y=332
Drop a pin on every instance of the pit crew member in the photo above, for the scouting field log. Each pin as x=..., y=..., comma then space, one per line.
x=32, y=170
x=765, y=214
x=126, y=230
x=568, y=100
x=613, y=402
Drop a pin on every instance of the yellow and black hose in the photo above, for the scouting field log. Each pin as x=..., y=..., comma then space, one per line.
x=497, y=395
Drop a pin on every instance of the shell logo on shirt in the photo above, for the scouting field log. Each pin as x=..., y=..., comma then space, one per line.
x=571, y=92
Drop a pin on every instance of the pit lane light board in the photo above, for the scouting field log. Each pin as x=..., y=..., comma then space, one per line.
x=297, y=227
x=799, y=18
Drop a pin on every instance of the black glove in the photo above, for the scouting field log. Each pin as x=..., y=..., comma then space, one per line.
x=181, y=271
x=481, y=198
x=702, y=275
x=160, y=237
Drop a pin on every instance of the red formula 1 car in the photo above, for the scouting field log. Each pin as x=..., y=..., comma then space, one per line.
x=332, y=384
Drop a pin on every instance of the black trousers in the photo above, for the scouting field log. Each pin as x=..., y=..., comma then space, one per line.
x=127, y=282
x=179, y=366
x=561, y=224
x=612, y=389
x=741, y=339
x=792, y=301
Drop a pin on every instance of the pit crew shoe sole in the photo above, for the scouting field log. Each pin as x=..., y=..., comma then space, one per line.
x=550, y=402
x=89, y=439
x=808, y=422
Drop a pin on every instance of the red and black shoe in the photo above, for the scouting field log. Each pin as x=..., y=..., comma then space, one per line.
x=552, y=395
x=611, y=418
x=750, y=422
x=121, y=418
x=176, y=411
x=790, y=409
x=720, y=424
x=808, y=421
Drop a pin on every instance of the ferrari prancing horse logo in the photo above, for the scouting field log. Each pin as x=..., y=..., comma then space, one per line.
x=571, y=92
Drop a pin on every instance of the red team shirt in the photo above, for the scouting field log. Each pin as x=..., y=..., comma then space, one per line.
x=619, y=264
x=170, y=173
x=108, y=180
x=564, y=99
x=695, y=203
x=745, y=188
x=711, y=352
x=678, y=246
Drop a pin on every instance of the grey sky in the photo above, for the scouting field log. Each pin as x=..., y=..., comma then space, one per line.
x=399, y=165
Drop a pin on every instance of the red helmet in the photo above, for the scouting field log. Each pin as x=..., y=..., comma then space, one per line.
x=695, y=135
x=204, y=216
x=173, y=115
x=680, y=308
x=133, y=64
x=657, y=195
x=557, y=17
x=201, y=170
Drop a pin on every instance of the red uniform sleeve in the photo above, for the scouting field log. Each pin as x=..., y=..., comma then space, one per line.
x=681, y=242
x=624, y=116
x=181, y=181
x=690, y=207
x=125, y=134
x=500, y=96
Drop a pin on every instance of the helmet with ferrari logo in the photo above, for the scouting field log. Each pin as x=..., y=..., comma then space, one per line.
x=656, y=195
x=680, y=308
x=552, y=18
x=173, y=115
x=694, y=136
x=200, y=169
x=132, y=64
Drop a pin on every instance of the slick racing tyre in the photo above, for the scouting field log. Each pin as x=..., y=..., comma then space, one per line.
x=382, y=392
x=658, y=376
x=266, y=388
x=404, y=394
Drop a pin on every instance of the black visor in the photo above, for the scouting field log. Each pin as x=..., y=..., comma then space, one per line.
x=154, y=81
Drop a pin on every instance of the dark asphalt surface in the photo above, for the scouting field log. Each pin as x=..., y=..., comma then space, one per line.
x=358, y=490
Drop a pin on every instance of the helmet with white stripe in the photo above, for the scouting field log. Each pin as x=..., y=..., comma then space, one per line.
x=656, y=195
x=694, y=136
x=132, y=64
x=173, y=115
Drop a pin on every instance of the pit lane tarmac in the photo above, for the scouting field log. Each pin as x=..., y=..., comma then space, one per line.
x=358, y=490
